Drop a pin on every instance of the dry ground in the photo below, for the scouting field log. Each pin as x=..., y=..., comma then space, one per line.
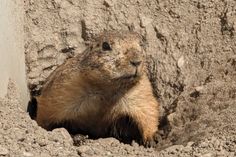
x=192, y=50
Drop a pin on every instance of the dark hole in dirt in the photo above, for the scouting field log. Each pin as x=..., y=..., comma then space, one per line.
x=195, y=94
x=32, y=108
x=68, y=50
x=126, y=130
x=226, y=28
x=164, y=127
x=208, y=79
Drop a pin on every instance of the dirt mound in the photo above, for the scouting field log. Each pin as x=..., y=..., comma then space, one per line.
x=20, y=136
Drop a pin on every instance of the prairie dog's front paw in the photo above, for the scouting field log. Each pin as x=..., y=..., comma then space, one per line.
x=150, y=142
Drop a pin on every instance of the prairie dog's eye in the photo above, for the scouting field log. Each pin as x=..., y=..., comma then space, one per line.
x=106, y=46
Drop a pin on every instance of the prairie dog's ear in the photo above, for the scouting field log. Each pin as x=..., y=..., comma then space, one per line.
x=142, y=39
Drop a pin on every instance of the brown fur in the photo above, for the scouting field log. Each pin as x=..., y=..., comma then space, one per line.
x=97, y=89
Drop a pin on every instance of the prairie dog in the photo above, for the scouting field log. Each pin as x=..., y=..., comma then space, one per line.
x=104, y=91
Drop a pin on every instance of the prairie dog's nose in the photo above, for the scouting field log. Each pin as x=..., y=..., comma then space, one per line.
x=135, y=62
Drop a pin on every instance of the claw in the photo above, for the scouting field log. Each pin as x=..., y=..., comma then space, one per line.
x=150, y=143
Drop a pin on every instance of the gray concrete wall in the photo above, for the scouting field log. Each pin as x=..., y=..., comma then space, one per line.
x=12, y=58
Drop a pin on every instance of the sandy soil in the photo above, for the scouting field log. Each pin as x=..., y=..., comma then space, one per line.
x=20, y=136
x=191, y=47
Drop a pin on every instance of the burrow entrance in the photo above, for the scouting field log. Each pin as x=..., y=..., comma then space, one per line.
x=163, y=138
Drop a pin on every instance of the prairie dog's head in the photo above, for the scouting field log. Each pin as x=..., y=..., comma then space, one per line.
x=114, y=57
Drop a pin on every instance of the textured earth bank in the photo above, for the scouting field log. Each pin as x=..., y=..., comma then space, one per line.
x=191, y=47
